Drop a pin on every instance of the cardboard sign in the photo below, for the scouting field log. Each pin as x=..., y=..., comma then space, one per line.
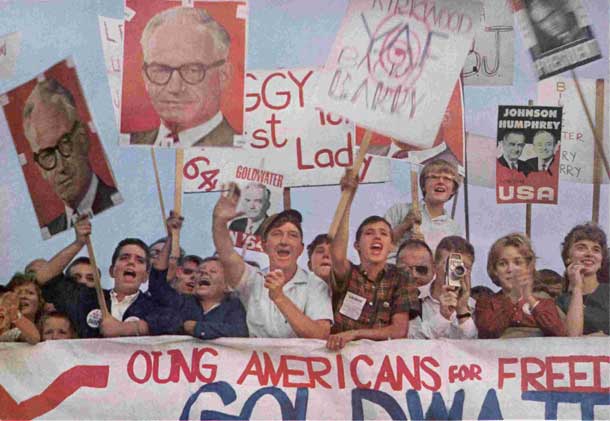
x=448, y=145
x=111, y=35
x=253, y=378
x=491, y=56
x=577, y=143
x=283, y=128
x=183, y=80
x=393, y=66
x=260, y=196
x=9, y=51
x=527, y=164
x=62, y=158
x=557, y=33
x=481, y=155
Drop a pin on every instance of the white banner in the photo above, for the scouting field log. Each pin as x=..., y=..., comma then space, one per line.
x=393, y=66
x=481, y=154
x=490, y=59
x=111, y=33
x=287, y=135
x=177, y=377
x=577, y=142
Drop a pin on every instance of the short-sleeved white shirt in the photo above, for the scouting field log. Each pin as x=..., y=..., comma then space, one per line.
x=434, y=229
x=308, y=292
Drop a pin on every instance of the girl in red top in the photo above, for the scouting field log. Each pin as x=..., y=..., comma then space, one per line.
x=511, y=266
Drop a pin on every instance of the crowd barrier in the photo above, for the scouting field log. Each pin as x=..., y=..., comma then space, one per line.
x=178, y=377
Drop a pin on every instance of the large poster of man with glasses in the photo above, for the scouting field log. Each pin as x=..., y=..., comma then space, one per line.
x=57, y=146
x=183, y=80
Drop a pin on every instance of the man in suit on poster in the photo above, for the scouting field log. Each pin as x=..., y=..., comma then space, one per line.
x=60, y=145
x=513, y=143
x=544, y=144
x=255, y=204
x=185, y=71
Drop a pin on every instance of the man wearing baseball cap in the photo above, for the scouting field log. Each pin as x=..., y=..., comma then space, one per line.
x=284, y=300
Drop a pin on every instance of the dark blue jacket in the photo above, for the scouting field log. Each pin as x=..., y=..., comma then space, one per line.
x=78, y=301
x=228, y=319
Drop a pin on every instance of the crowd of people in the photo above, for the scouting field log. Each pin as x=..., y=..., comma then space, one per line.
x=413, y=280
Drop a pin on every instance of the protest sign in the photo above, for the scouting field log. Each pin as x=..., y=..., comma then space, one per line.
x=557, y=33
x=183, y=79
x=491, y=56
x=577, y=143
x=527, y=165
x=448, y=144
x=393, y=66
x=260, y=196
x=250, y=378
x=481, y=157
x=310, y=146
x=111, y=35
x=9, y=51
x=61, y=156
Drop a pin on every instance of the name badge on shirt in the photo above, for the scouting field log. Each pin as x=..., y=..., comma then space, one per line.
x=352, y=306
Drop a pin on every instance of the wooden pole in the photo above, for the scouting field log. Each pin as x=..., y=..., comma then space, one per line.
x=159, y=192
x=597, y=164
x=101, y=301
x=287, y=204
x=598, y=139
x=466, y=217
x=528, y=206
x=416, y=229
x=454, y=204
x=345, y=195
x=178, y=193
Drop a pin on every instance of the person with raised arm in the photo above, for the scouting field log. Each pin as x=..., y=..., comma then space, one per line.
x=283, y=300
x=374, y=297
x=210, y=311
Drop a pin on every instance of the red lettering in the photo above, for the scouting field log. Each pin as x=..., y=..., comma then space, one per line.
x=551, y=376
x=502, y=374
x=198, y=355
x=318, y=375
x=353, y=368
x=148, y=364
x=428, y=365
x=386, y=375
x=300, y=85
x=529, y=378
x=260, y=134
x=285, y=94
x=413, y=377
x=256, y=96
x=340, y=372
x=287, y=371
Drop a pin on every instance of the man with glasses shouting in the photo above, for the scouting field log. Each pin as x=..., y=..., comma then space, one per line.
x=185, y=71
x=60, y=145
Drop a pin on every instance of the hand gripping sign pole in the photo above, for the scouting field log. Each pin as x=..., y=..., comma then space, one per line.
x=96, y=279
x=345, y=195
x=159, y=192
